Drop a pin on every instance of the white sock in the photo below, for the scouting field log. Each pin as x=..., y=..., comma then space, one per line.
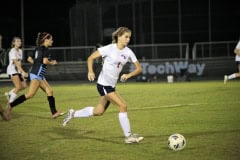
x=11, y=91
x=85, y=112
x=124, y=122
x=232, y=76
x=12, y=96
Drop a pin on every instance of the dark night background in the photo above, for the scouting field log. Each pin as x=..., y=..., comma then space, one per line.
x=54, y=16
x=46, y=15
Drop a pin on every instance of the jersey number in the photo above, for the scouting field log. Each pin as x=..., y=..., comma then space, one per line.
x=118, y=65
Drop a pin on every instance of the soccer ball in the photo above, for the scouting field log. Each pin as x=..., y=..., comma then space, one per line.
x=176, y=142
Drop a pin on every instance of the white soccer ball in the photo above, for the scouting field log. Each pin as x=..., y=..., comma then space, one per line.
x=176, y=142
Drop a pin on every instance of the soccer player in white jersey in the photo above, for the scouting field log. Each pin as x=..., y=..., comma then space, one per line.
x=115, y=56
x=237, y=60
x=15, y=70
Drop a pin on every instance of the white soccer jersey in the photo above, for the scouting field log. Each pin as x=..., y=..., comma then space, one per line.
x=114, y=60
x=237, y=57
x=17, y=55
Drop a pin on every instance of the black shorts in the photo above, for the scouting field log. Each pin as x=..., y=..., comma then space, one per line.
x=237, y=62
x=103, y=90
x=17, y=74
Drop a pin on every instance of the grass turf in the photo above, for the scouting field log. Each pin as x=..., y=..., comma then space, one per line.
x=206, y=113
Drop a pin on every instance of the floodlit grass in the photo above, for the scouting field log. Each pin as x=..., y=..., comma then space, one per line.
x=206, y=113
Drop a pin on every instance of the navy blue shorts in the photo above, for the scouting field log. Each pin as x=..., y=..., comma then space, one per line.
x=104, y=90
x=17, y=74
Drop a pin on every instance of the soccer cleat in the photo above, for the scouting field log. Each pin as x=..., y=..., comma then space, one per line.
x=57, y=114
x=225, y=79
x=68, y=117
x=134, y=138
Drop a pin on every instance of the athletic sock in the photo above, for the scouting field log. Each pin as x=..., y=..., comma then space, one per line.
x=18, y=101
x=124, y=122
x=232, y=76
x=12, y=96
x=85, y=112
x=51, y=101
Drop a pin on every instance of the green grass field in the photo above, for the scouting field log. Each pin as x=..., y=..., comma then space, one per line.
x=206, y=113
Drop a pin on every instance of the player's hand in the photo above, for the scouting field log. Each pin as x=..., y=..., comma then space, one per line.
x=91, y=76
x=24, y=74
x=53, y=62
x=124, y=77
x=237, y=51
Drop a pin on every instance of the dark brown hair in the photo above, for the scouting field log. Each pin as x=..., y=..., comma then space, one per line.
x=13, y=40
x=41, y=37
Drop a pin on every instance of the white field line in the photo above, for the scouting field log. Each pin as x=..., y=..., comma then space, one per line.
x=183, y=105
x=168, y=106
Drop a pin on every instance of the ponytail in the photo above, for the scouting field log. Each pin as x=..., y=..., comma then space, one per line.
x=41, y=37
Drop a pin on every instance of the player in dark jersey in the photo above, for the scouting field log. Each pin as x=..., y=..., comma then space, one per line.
x=41, y=59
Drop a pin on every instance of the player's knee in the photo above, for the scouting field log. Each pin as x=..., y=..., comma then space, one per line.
x=98, y=113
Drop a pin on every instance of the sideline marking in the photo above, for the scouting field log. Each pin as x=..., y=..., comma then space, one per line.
x=169, y=106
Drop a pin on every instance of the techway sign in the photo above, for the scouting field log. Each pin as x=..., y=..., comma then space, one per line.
x=174, y=67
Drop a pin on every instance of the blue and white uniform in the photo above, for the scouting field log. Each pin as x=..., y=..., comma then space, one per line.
x=38, y=68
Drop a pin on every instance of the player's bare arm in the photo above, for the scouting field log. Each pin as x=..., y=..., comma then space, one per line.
x=46, y=61
x=19, y=67
x=91, y=58
x=237, y=51
x=138, y=70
